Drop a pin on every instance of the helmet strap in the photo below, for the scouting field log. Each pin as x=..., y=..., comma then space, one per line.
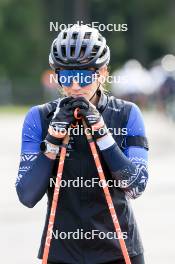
x=96, y=92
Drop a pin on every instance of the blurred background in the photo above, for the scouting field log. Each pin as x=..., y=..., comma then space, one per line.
x=142, y=62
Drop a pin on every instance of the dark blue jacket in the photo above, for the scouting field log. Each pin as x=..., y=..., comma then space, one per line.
x=84, y=208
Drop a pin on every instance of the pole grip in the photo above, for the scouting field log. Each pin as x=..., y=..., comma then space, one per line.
x=76, y=113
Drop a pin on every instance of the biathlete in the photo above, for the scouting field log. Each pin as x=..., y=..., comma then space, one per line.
x=81, y=51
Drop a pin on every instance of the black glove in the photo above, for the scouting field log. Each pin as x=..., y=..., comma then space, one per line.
x=91, y=115
x=61, y=121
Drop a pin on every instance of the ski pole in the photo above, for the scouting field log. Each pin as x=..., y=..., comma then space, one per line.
x=106, y=191
x=55, y=199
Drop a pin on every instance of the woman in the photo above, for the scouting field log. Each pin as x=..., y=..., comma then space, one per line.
x=118, y=130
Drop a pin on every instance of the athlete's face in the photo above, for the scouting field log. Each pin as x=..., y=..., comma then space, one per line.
x=75, y=90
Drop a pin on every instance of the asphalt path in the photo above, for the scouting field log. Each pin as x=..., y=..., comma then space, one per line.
x=21, y=228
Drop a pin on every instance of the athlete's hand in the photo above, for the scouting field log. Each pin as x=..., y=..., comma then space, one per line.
x=62, y=119
x=91, y=115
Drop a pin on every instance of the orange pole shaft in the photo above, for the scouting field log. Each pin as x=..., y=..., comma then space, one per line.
x=108, y=196
x=55, y=201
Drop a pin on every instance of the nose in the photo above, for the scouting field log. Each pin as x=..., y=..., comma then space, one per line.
x=75, y=85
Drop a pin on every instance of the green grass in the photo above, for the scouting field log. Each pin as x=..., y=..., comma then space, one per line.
x=14, y=109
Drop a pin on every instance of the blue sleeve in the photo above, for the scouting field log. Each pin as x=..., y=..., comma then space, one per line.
x=130, y=166
x=136, y=127
x=31, y=132
x=34, y=168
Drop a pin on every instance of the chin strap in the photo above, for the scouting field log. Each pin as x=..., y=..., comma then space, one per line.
x=96, y=92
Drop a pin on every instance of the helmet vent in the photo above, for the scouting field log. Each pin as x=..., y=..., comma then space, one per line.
x=104, y=52
x=74, y=35
x=87, y=35
x=95, y=50
x=63, y=51
x=55, y=51
x=72, y=51
x=64, y=35
x=83, y=49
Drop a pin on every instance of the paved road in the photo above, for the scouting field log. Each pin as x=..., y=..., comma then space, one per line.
x=21, y=228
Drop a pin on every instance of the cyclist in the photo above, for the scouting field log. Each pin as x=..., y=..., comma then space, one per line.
x=80, y=58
